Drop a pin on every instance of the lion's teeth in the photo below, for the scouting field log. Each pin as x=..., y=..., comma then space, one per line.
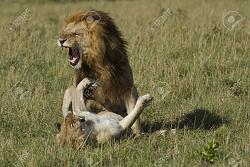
x=73, y=60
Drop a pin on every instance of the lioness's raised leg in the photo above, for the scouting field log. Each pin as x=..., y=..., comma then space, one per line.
x=130, y=104
x=103, y=127
x=67, y=101
x=73, y=100
x=141, y=103
x=79, y=97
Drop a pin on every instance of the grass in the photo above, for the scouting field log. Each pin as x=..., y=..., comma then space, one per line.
x=197, y=70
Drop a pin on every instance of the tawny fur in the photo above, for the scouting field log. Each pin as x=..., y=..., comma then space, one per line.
x=95, y=128
x=104, y=57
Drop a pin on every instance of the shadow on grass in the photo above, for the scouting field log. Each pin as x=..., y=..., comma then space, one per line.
x=197, y=119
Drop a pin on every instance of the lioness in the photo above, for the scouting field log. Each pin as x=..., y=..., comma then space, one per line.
x=92, y=128
x=97, y=50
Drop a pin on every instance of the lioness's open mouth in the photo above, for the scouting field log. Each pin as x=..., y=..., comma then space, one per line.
x=74, y=56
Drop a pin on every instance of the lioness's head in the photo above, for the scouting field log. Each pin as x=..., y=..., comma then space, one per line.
x=70, y=131
x=92, y=38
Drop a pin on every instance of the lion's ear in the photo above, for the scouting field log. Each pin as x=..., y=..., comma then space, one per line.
x=91, y=15
x=69, y=117
x=58, y=126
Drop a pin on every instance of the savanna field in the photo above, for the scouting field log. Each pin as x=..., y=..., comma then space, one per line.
x=192, y=56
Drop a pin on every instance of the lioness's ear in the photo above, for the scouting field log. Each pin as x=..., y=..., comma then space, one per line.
x=58, y=126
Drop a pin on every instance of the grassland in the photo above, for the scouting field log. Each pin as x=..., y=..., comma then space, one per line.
x=196, y=68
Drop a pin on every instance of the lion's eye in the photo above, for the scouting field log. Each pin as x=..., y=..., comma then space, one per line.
x=75, y=34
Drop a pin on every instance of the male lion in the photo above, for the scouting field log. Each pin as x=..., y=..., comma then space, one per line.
x=95, y=128
x=97, y=50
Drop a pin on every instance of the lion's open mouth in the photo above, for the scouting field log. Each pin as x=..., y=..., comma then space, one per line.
x=74, y=56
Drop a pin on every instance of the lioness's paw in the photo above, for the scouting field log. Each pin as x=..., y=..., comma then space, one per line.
x=145, y=100
x=84, y=83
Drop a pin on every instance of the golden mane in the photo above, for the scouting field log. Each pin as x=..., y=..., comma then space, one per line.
x=107, y=58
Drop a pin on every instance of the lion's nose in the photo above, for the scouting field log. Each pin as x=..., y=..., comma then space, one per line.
x=62, y=41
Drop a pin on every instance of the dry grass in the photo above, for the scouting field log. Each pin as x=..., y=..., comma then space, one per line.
x=197, y=70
